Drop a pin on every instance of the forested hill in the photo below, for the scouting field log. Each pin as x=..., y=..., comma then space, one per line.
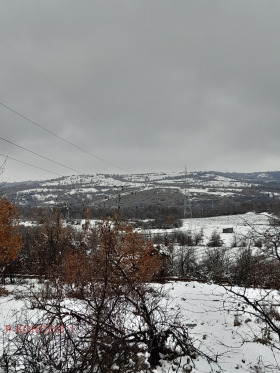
x=145, y=195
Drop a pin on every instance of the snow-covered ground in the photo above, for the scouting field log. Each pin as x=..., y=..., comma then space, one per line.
x=216, y=327
x=199, y=184
x=239, y=341
x=241, y=225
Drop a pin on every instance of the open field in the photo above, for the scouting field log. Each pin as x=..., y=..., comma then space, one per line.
x=237, y=340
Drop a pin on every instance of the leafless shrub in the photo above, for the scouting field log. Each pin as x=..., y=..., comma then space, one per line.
x=113, y=321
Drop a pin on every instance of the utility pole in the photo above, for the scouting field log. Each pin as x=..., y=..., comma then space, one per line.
x=187, y=199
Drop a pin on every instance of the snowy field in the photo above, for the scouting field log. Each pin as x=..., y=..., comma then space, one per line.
x=235, y=340
x=216, y=327
x=221, y=331
x=241, y=224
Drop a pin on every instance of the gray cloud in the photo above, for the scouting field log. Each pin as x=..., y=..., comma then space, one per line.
x=146, y=85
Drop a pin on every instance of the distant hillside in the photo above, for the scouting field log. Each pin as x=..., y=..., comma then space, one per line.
x=210, y=193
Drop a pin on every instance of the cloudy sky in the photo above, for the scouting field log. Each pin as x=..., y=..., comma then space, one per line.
x=139, y=86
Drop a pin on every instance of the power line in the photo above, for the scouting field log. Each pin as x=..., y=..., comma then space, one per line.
x=52, y=83
x=59, y=137
x=39, y=155
x=63, y=93
x=31, y=165
x=45, y=129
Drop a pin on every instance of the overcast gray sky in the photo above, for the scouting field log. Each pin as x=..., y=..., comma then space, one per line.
x=147, y=85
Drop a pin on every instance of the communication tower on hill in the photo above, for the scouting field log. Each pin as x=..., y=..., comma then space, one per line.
x=187, y=199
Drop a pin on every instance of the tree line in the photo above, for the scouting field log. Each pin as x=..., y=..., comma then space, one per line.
x=108, y=270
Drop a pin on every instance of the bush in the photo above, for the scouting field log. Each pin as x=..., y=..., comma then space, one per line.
x=118, y=322
x=215, y=240
x=216, y=264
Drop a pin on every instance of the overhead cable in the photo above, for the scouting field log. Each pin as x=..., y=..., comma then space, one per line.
x=39, y=155
x=31, y=165
x=61, y=138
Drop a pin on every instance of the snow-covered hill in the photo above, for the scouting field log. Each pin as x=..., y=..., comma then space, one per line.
x=205, y=189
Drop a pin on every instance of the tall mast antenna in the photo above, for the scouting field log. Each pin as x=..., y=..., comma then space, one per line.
x=187, y=199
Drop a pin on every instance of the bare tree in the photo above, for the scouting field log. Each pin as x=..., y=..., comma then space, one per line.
x=112, y=318
x=259, y=268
